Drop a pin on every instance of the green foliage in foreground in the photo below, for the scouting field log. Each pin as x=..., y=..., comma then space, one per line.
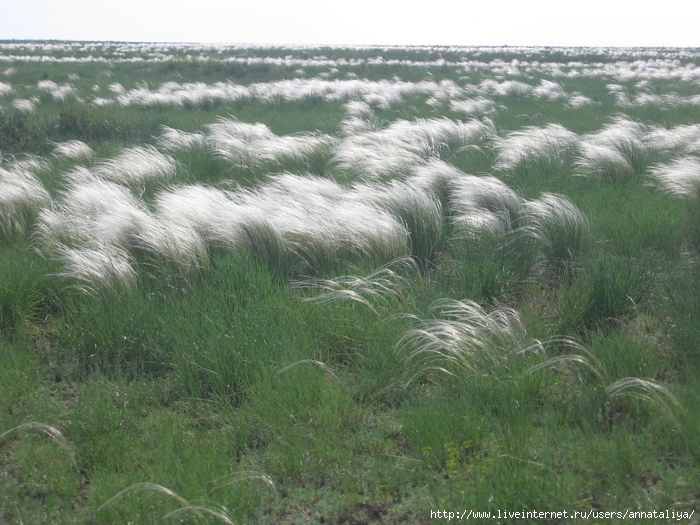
x=548, y=366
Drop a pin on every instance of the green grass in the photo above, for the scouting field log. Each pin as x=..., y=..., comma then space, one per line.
x=548, y=365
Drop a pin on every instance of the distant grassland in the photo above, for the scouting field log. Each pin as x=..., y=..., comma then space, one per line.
x=297, y=285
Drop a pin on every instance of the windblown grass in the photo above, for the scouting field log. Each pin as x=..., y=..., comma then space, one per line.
x=558, y=226
x=22, y=196
x=465, y=338
x=73, y=150
x=616, y=151
x=483, y=203
x=679, y=178
x=137, y=165
x=552, y=143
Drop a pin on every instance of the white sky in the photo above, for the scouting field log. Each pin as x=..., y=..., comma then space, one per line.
x=359, y=22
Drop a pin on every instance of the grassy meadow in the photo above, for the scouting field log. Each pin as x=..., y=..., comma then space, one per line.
x=348, y=285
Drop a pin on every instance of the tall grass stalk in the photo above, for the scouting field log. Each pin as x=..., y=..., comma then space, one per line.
x=186, y=507
x=383, y=286
x=50, y=431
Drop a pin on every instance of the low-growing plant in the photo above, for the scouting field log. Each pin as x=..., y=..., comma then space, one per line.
x=609, y=291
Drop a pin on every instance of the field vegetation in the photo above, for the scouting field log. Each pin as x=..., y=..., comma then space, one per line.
x=347, y=285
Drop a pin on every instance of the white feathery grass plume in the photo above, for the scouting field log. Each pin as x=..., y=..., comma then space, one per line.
x=474, y=107
x=176, y=243
x=175, y=140
x=616, y=150
x=358, y=109
x=602, y=161
x=404, y=144
x=578, y=100
x=353, y=125
x=322, y=222
x=116, y=88
x=73, y=150
x=98, y=267
x=465, y=337
x=383, y=286
x=418, y=209
x=435, y=176
x=208, y=214
x=551, y=143
x=679, y=178
x=93, y=210
x=673, y=140
x=186, y=507
x=558, y=225
x=57, y=92
x=311, y=219
x=22, y=196
x=620, y=94
x=317, y=216
x=137, y=165
x=550, y=90
x=24, y=105
x=483, y=204
x=507, y=88
x=648, y=390
x=621, y=132
x=51, y=432
x=251, y=145
x=692, y=148
x=5, y=89
x=30, y=163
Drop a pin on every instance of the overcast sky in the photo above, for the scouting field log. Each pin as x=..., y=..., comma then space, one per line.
x=359, y=22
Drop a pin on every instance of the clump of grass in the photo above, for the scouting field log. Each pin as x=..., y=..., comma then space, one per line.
x=402, y=145
x=483, y=203
x=91, y=209
x=418, y=210
x=73, y=150
x=474, y=107
x=559, y=228
x=51, y=431
x=175, y=140
x=466, y=338
x=22, y=196
x=98, y=267
x=674, y=140
x=679, y=178
x=615, y=152
x=254, y=145
x=552, y=143
x=136, y=166
x=610, y=291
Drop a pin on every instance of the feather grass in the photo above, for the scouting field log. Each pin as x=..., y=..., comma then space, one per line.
x=558, y=226
x=679, y=178
x=137, y=165
x=552, y=143
x=186, y=507
x=466, y=338
x=22, y=197
x=483, y=204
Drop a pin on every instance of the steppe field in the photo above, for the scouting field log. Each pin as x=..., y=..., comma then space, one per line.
x=348, y=285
